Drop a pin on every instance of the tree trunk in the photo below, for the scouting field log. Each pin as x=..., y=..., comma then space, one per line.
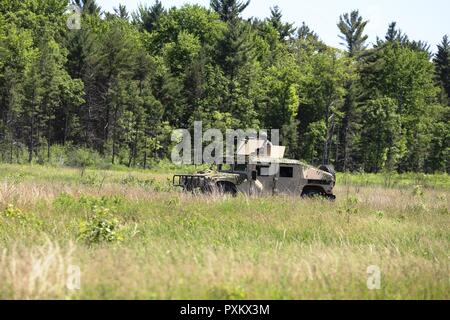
x=11, y=150
x=114, y=136
x=343, y=164
x=31, y=144
x=48, y=141
x=326, y=159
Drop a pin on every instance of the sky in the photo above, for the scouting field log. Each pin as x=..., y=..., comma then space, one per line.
x=427, y=20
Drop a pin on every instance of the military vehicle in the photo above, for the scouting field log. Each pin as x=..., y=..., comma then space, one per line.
x=263, y=171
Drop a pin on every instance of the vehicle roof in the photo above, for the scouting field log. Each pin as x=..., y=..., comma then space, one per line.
x=270, y=160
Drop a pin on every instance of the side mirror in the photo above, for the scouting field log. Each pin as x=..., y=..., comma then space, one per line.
x=254, y=175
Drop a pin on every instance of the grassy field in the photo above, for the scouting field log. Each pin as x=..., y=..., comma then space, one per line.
x=134, y=237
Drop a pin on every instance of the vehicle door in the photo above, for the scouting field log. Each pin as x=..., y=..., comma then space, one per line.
x=266, y=177
x=288, y=179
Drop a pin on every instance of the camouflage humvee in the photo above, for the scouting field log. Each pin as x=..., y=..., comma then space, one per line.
x=265, y=172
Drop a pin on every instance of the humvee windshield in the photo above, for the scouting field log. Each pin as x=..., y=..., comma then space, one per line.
x=233, y=168
x=240, y=168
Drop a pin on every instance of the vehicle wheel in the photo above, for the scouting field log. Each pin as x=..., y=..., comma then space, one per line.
x=208, y=188
x=226, y=189
x=311, y=193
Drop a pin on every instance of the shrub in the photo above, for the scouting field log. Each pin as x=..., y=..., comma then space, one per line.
x=64, y=200
x=93, y=180
x=100, y=227
x=418, y=191
x=227, y=293
x=104, y=201
x=350, y=207
x=83, y=158
x=15, y=214
x=58, y=155
x=136, y=182
x=379, y=214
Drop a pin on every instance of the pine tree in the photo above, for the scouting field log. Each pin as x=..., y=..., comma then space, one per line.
x=122, y=12
x=147, y=17
x=235, y=48
x=229, y=10
x=394, y=34
x=120, y=86
x=382, y=141
x=88, y=6
x=285, y=30
x=406, y=76
x=304, y=32
x=352, y=28
x=16, y=56
x=442, y=66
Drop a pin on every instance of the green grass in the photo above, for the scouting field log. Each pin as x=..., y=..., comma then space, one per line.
x=134, y=237
x=395, y=180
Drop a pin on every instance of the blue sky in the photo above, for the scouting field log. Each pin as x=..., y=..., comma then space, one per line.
x=421, y=20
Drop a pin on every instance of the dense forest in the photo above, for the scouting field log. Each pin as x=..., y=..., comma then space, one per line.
x=118, y=86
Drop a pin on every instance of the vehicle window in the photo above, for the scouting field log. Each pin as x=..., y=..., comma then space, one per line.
x=263, y=171
x=224, y=167
x=240, y=168
x=286, y=172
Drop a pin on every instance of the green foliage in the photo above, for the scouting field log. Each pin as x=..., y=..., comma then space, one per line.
x=133, y=181
x=350, y=207
x=228, y=246
x=407, y=79
x=379, y=214
x=101, y=227
x=14, y=214
x=418, y=191
x=83, y=158
x=227, y=293
x=285, y=30
x=352, y=26
x=146, y=17
x=65, y=201
x=442, y=65
x=111, y=93
x=229, y=10
x=382, y=142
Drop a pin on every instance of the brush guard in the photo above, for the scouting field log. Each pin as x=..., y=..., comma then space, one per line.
x=190, y=183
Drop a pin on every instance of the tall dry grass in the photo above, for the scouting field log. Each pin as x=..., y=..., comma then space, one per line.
x=178, y=246
x=36, y=272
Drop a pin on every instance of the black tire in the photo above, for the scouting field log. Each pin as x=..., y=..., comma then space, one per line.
x=312, y=193
x=226, y=189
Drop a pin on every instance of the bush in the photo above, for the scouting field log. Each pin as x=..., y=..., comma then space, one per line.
x=58, y=155
x=15, y=214
x=227, y=293
x=64, y=201
x=418, y=191
x=101, y=227
x=136, y=182
x=350, y=207
x=83, y=158
x=93, y=180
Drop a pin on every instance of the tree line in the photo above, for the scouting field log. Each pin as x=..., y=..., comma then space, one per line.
x=125, y=80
